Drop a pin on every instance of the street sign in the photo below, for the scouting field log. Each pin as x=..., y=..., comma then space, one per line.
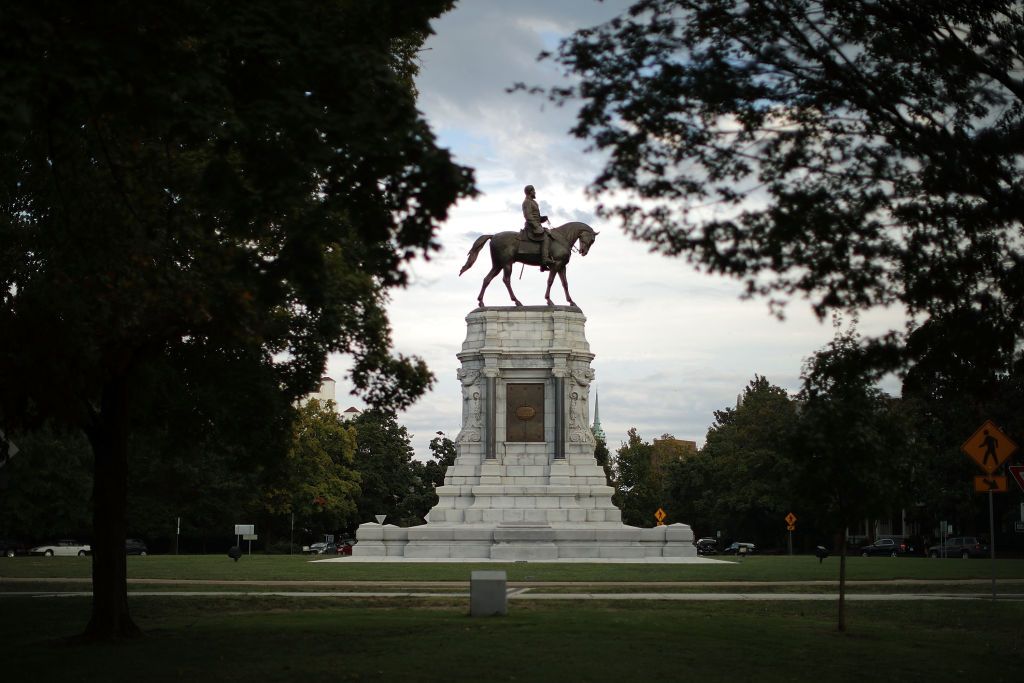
x=790, y=519
x=790, y=527
x=1017, y=472
x=660, y=516
x=989, y=447
x=1018, y=527
x=244, y=529
x=990, y=483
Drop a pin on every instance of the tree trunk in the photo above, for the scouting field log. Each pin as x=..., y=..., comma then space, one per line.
x=842, y=581
x=109, y=437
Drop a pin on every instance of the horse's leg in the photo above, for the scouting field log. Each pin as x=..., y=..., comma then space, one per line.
x=507, y=279
x=551, y=279
x=565, y=286
x=487, y=280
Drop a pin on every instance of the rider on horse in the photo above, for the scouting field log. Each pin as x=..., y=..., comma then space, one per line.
x=534, y=230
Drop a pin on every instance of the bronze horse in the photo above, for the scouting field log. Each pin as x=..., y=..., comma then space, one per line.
x=505, y=251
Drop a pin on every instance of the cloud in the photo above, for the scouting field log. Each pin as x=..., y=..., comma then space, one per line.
x=672, y=345
x=480, y=50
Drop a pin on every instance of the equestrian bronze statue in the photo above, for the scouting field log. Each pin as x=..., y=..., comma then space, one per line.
x=511, y=247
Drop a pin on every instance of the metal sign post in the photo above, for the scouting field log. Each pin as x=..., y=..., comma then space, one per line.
x=990, y=448
x=250, y=538
x=790, y=527
x=992, y=543
x=244, y=530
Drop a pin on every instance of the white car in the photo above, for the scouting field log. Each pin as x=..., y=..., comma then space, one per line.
x=65, y=547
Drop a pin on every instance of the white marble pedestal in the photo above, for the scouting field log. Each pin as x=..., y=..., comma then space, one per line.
x=525, y=484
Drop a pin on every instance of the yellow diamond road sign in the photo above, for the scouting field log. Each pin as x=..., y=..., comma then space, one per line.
x=989, y=447
x=660, y=515
x=790, y=519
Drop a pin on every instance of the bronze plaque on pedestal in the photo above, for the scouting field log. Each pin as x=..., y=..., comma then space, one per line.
x=524, y=412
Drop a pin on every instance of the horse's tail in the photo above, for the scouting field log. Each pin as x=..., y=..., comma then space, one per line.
x=474, y=252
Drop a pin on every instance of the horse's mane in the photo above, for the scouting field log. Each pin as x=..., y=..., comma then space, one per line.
x=566, y=227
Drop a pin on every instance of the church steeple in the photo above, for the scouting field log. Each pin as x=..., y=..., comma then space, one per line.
x=596, y=428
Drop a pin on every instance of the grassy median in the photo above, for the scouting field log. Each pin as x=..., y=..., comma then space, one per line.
x=301, y=568
x=281, y=639
x=268, y=638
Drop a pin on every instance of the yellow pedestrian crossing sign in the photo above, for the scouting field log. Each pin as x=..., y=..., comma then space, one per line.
x=989, y=447
x=790, y=519
x=660, y=516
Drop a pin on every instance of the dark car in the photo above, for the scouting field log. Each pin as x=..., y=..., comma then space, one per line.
x=960, y=546
x=345, y=547
x=10, y=548
x=707, y=546
x=887, y=547
x=134, y=546
x=740, y=549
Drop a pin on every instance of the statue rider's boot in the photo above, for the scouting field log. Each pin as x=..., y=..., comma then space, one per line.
x=545, y=258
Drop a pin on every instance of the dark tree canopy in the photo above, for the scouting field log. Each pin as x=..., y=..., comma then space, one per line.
x=200, y=178
x=638, y=481
x=426, y=477
x=210, y=173
x=850, y=445
x=741, y=479
x=858, y=152
x=604, y=458
x=383, y=459
x=44, y=490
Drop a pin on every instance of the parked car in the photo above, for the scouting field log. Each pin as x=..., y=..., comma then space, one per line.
x=134, y=546
x=707, y=546
x=345, y=547
x=887, y=547
x=315, y=549
x=10, y=548
x=960, y=546
x=740, y=549
x=64, y=547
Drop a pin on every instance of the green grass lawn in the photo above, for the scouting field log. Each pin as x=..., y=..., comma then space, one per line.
x=279, y=639
x=300, y=568
x=265, y=638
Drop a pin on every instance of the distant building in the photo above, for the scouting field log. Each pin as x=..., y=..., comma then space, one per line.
x=668, y=448
x=596, y=428
x=325, y=393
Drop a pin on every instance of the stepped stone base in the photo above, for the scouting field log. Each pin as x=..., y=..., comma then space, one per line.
x=535, y=543
x=525, y=484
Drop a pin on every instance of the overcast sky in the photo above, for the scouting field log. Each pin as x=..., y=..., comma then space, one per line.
x=672, y=345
